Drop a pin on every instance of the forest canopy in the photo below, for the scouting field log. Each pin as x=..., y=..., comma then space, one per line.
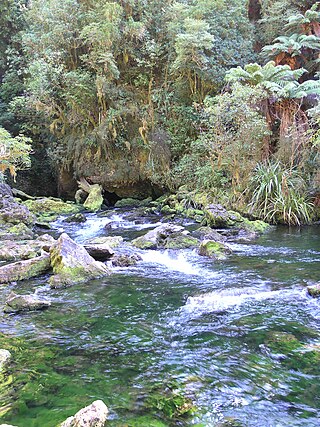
x=210, y=95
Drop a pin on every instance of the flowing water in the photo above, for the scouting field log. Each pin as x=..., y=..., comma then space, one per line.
x=240, y=338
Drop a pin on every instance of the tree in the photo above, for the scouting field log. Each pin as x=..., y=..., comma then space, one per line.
x=14, y=153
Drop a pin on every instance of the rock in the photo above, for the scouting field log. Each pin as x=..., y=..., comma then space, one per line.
x=100, y=252
x=94, y=200
x=22, y=270
x=22, y=195
x=314, y=290
x=72, y=264
x=207, y=233
x=51, y=207
x=157, y=238
x=212, y=249
x=15, y=232
x=128, y=203
x=94, y=415
x=111, y=241
x=17, y=303
x=216, y=215
x=181, y=242
x=5, y=358
x=14, y=213
x=125, y=260
x=14, y=251
x=5, y=190
x=78, y=217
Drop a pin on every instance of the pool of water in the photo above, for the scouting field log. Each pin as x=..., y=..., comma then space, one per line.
x=237, y=339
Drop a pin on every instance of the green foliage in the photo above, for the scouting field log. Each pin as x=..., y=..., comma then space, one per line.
x=279, y=194
x=14, y=153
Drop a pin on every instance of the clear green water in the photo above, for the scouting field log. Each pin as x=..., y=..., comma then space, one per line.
x=239, y=339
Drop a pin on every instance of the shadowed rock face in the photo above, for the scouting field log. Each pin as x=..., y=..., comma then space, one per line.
x=72, y=264
x=94, y=415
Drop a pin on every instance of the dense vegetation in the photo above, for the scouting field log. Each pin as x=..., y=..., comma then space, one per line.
x=219, y=97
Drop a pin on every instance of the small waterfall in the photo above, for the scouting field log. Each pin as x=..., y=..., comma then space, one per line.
x=173, y=262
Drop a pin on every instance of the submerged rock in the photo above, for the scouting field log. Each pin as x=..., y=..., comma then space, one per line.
x=17, y=303
x=72, y=264
x=158, y=237
x=94, y=415
x=22, y=270
x=5, y=358
x=213, y=249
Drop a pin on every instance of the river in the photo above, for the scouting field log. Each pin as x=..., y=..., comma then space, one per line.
x=215, y=333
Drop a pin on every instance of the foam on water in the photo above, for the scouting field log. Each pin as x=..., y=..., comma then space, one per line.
x=172, y=261
x=220, y=301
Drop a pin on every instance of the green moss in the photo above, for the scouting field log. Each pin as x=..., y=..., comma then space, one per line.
x=143, y=243
x=181, y=242
x=94, y=200
x=128, y=202
x=213, y=249
x=47, y=206
x=21, y=230
x=166, y=210
x=314, y=290
x=282, y=342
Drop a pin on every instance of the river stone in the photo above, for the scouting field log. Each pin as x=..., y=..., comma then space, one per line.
x=100, y=252
x=94, y=415
x=207, y=233
x=212, y=249
x=26, y=269
x=314, y=290
x=14, y=213
x=125, y=260
x=94, y=200
x=51, y=207
x=78, y=217
x=5, y=358
x=111, y=241
x=157, y=238
x=20, y=250
x=16, y=303
x=72, y=264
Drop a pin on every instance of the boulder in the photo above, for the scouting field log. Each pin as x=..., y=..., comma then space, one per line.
x=20, y=250
x=13, y=212
x=111, y=241
x=100, y=252
x=314, y=290
x=181, y=241
x=17, y=303
x=207, y=233
x=22, y=270
x=212, y=249
x=72, y=264
x=5, y=358
x=125, y=260
x=94, y=415
x=128, y=203
x=49, y=208
x=94, y=200
x=15, y=231
x=157, y=238
x=216, y=215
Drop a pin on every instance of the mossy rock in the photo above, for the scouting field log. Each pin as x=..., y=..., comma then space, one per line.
x=213, y=249
x=77, y=217
x=128, y=203
x=166, y=210
x=314, y=290
x=143, y=243
x=49, y=206
x=111, y=241
x=94, y=200
x=181, y=242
